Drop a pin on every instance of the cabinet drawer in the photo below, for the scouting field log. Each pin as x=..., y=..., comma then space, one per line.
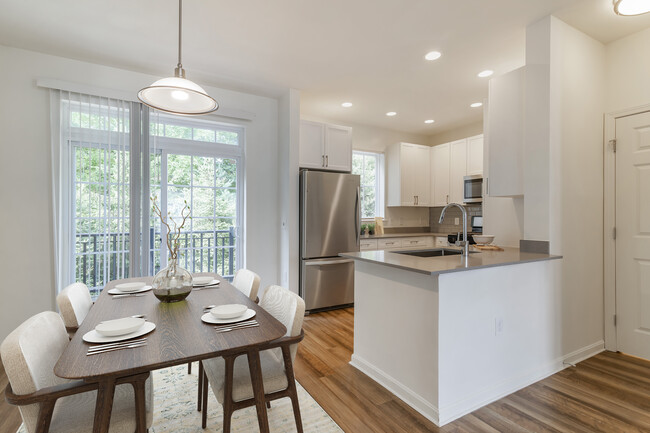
x=420, y=241
x=441, y=241
x=368, y=244
x=390, y=243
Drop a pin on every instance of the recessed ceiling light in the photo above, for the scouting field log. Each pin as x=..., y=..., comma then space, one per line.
x=429, y=121
x=485, y=73
x=391, y=114
x=346, y=104
x=433, y=55
x=476, y=104
x=631, y=7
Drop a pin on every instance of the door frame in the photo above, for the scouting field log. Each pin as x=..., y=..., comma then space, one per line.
x=609, y=221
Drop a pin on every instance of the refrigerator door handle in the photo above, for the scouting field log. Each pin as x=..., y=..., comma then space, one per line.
x=327, y=262
x=357, y=217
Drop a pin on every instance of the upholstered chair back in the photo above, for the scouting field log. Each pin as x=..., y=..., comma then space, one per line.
x=288, y=308
x=74, y=303
x=29, y=354
x=247, y=282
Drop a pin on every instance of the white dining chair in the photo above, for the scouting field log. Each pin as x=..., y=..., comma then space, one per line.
x=229, y=376
x=48, y=403
x=247, y=282
x=74, y=304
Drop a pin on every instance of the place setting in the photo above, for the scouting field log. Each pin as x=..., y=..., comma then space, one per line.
x=118, y=334
x=131, y=289
x=229, y=317
x=204, y=282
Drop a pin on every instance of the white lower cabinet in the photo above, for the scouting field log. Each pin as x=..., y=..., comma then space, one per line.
x=396, y=243
x=368, y=244
x=441, y=241
x=389, y=243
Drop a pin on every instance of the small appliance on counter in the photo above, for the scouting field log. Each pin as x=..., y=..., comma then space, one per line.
x=477, y=229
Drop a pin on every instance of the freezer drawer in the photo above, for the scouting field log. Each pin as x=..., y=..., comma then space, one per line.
x=327, y=282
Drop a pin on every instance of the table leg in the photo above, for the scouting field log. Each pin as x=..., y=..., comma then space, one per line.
x=140, y=404
x=104, y=405
x=258, y=389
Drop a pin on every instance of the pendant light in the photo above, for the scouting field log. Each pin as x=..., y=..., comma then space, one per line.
x=178, y=95
x=631, y=7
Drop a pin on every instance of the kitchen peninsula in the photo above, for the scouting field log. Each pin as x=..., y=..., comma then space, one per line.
x=452, y=333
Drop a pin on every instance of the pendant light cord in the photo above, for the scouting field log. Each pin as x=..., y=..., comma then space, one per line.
x=180, y=31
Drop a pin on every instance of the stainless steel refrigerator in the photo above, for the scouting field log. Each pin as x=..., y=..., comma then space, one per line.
x=329, y=225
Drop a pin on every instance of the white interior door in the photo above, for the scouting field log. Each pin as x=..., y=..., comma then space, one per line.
x=633, y=234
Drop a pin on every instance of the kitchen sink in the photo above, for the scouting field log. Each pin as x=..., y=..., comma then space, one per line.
x=437, y=252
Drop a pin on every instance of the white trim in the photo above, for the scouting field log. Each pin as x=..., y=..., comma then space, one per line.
x=486, y=396
x=86, y=89
x=609, y=222
x=410, y=397
x=442, y=416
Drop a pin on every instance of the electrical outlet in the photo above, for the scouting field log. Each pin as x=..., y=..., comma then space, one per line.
x=456, y=221
x=498, y=325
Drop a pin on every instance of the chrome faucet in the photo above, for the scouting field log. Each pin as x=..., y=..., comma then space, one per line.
x=464, y=243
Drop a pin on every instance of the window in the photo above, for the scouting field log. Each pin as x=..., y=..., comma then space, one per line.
x=370, y=167
x=107, y=172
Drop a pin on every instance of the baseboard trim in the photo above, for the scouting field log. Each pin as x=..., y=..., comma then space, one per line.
x=451, y=412
x=404, y=393
x=508, y=386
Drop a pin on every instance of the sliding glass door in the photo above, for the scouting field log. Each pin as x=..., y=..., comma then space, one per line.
x=110, y=165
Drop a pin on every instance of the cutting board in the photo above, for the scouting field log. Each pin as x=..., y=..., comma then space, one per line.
x=488, y=247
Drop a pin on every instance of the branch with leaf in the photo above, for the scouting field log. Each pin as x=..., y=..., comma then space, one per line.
x=173, y=236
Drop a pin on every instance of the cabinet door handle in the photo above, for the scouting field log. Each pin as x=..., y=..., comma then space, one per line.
x=487, y=186
x=322, y=163
x=447, y=198
x=327, y=160
x=417, y=199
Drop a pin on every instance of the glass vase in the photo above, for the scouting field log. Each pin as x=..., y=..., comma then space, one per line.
x=173, y=283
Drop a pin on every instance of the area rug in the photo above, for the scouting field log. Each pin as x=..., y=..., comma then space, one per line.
x=175, y=409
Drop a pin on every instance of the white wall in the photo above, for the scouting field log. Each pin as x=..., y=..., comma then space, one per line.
x=289, y=129
x=456, y=134
x=26, y=256
x=628, y=69
x=572, y=153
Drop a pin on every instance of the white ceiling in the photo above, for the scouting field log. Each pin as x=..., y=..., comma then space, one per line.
x=369, y=52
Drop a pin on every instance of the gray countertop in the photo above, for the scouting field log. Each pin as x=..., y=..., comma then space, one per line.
x=445, y=264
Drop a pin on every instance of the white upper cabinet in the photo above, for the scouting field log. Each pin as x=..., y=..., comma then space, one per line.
x=408, y=175
x=450, y=163
x=325, y=147
x=457, y=170
x=440, y=175
x=504, y=135
x=475, y=155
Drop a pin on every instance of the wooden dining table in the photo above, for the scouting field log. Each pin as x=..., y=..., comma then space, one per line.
x=179, y=337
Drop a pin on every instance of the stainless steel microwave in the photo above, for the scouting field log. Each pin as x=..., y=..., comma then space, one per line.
x=473, y=189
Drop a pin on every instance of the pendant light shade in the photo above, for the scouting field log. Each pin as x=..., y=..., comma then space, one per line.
x=177, y=94
x=631, y=7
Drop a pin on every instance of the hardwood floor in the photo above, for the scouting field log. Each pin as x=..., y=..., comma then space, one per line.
x=606, y=393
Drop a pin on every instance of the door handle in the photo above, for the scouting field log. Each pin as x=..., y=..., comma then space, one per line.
x=447, y=198
x=322, y=163
x=357, y=216
x=327, y=160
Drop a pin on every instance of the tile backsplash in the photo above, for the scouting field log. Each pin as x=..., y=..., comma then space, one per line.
x=448, y=225
x=406, y=217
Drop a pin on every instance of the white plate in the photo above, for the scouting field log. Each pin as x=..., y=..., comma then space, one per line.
x=209, y=318
x=209, y=283
x=202, y=280
x=228, y=311
x=130, y=287
x=119, y=292
x=117, y=327
x=95, y=337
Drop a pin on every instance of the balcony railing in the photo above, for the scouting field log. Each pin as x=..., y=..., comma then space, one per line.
x=104, y=257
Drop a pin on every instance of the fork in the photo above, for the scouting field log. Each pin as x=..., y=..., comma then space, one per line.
x=135, y=295
x=112, y=349
x=233, y=328
x=116, y=344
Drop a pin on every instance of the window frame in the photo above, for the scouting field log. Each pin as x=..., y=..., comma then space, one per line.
x=379, y=186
